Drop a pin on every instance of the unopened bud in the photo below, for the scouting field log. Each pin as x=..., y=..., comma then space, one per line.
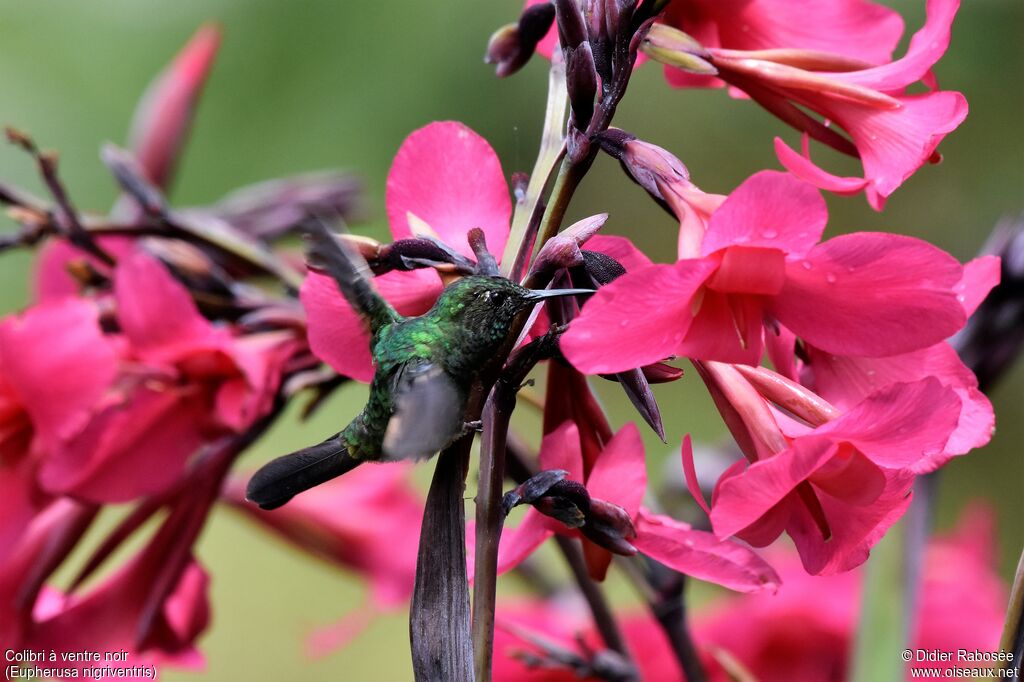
x=563, y=250
x=672, y=47
x=609, y=526
x=572, y=29
x=511, y=46
x=581, y=82
x=161, y=121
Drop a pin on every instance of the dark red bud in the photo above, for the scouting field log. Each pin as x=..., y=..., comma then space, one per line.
x=511, y=46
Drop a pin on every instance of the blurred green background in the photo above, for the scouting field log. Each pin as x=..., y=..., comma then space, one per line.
x=313, y=84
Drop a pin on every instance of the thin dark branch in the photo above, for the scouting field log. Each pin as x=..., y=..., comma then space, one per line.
x=669, y=608
x=604, y=619
x=489, y=521
x=66, y=215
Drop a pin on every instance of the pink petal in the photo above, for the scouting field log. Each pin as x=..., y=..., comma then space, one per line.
x=106, y=619
x=337, y=335
x=855, y=528
x=771, y=524
x=850, y=477
x=853, y=28
x=871, y=294
x=560, y=449
x=703, y=556
x=927, y=46
x=802, y=167
x=781, y=348
x=20, y=501
x=621, y=249
x=894, y=143
x=690, y=473
x=130, y=450
x=619, y=475
x=900, y=424
x=59, y=363
x=845, y=381
x=520, y=542
x=981, y=275
x=742, y=499
x=727, y=328
x=155, y=311
x=771, y=210
x=449, y=177
x=638, y=319
x=51, y=279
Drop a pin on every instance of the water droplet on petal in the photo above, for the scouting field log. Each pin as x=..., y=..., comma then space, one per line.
x=830, y=278
x=806, y=265
x=769, y=234
x=623, y=323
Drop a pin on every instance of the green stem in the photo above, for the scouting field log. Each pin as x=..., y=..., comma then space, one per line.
x=1012, y=640
x=552, y=149
x=882, y=631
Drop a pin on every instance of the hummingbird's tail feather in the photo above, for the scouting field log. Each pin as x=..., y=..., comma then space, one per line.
x=282, y=479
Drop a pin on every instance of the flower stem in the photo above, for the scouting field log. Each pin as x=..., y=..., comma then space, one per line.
x=497, y=413
x=604, y=619
x=530, y=208
x=1012, y=640
x=489, y=519
x=882, y=631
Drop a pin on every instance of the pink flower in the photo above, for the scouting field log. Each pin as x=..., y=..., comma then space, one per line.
x=184, y=381
x=796, y=634
x=55, y=366
x=862, y=294
x=45, y=534
x=367, y=521
x=119, y=611
x=855, y=29
x=893, y=133
x=619, y=476
x=845, y=380
x=567, y=626
x=835, y=488
x=444, y=176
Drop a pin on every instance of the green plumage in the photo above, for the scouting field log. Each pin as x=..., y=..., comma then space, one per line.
x=424, y=368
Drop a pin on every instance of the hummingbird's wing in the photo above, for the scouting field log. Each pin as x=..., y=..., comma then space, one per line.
x=349, y=270
x=429, y=411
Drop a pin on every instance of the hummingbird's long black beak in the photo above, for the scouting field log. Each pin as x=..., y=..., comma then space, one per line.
x=541, y=294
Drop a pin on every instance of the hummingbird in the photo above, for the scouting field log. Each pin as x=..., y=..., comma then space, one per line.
x=424, y=369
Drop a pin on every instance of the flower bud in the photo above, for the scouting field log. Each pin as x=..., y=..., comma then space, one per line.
x=164, y=113
x=563, y=250
x=512, y=45
x=672, y=47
